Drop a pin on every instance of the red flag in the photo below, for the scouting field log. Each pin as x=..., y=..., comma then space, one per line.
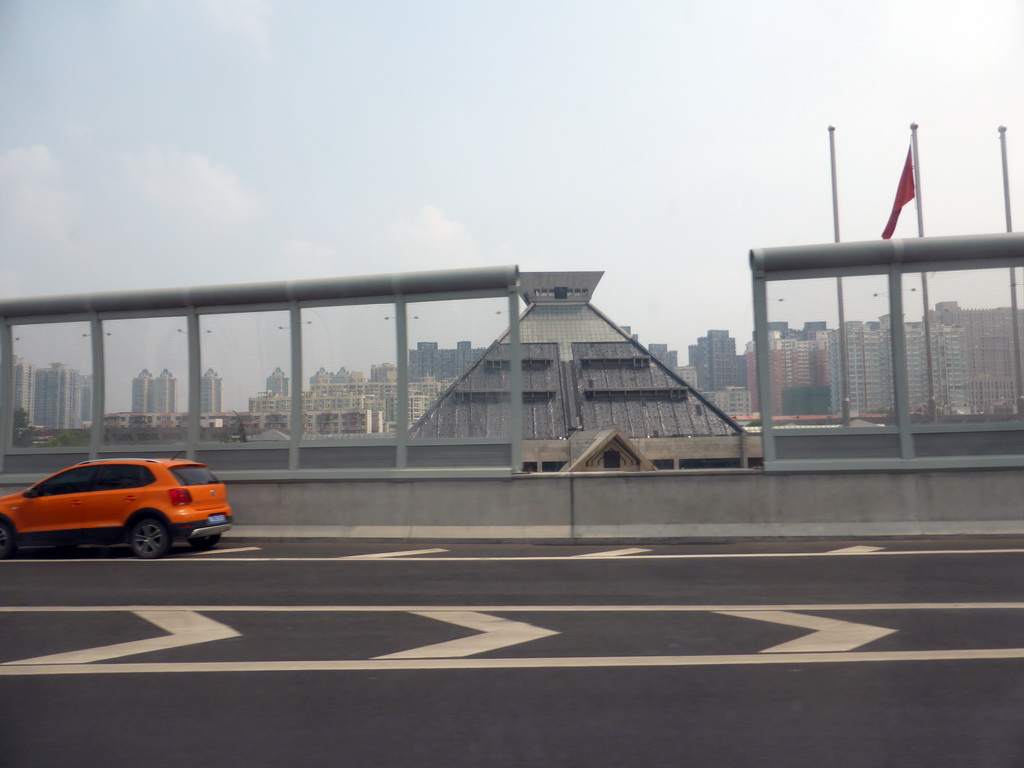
x=904, y=194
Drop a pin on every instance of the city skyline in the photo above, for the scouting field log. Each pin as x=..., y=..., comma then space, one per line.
x=951, y=348
x=161, y=342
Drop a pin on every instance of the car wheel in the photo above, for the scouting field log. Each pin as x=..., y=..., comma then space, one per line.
x=7, y=543
x=204, y=543
x=149, y=539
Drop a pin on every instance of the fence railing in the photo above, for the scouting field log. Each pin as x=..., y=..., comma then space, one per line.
x=902, y=353
x=305, y=379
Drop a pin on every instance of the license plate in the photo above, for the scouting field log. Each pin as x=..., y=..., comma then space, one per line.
x=216, y=519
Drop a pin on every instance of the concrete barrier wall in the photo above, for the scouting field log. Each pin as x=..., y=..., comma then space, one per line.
x=711, y=505
x=718, y=504
x=489, y=509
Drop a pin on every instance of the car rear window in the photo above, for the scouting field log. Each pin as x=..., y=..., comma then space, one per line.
x=194, y=475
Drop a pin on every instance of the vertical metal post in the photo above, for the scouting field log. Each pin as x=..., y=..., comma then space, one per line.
x=932, y=410
x=98, y=386
x=898, y=343
x=763, y=358
x=515, y=420
x=192, y=432
x=844, y=365
x=1014, y=313
x=6, y=390
x=402, y=406
x=296, y=416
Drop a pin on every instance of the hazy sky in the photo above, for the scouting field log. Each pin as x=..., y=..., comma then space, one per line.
x=187, y=142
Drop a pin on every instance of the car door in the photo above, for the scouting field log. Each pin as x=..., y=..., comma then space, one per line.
x=52, y=510
x=117, y=492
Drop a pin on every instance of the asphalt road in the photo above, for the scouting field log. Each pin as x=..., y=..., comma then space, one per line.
x=886, y=653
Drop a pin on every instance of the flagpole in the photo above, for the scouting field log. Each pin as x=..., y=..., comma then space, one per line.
x=924, y=277
x=1013, y=281
x=917, y=179
x=844, y=367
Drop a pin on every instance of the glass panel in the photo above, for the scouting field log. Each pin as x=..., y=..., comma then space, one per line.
x=52, y=384
x=802, y=318
x=445, y=340
x=146, y=378
x=867, y=342
x=350, y=362
x=244, y=357
x=973, y=352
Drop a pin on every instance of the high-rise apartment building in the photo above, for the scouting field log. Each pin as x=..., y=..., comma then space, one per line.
x=384, y=372
x=278, y=384
x=988, y=343
x=734, y=401
x=85, y=398
x=211, y=391
x=951, y=384
x=57, y=393
x=716, y=362
x=798, y=369
x=25, y=387
x=157, y=394
x=662, y=353
x=869, y=367
x=430, y=361
x=332, y=398
x=164, y=393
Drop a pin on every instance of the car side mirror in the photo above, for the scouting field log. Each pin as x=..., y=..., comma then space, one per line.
x=31, y=493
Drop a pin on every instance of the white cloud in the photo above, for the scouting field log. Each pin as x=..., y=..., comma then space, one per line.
x=33, y=198
x=430, y=240
x=191, y=184
x=249, y=19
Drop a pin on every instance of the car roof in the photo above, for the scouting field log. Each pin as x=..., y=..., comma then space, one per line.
x=165, y=462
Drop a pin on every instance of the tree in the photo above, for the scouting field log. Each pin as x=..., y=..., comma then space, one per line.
x=68, y=437
x=24, y=432
x=242, y=438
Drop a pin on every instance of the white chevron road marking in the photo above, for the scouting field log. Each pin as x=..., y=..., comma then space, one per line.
x=829, y=634
x=385, y=555
x=497, y=633
x=186, y=628
x=614, y=553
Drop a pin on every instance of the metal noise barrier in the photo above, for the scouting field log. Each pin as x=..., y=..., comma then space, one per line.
x=342, y=288
x=876, y=255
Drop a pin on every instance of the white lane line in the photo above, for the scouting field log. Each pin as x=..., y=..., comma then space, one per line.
x=862, y=550
x=828, y=635
x=495, y=633
x=798, y=608
x=226, y=551
x=383, y=555
x=614, y=553
x=186, y=628
x=380, y=665
x=512, y=559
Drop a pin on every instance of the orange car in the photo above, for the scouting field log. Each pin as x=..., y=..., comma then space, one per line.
x=144, y=503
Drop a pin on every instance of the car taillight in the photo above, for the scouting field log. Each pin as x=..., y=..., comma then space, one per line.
x=180, y=496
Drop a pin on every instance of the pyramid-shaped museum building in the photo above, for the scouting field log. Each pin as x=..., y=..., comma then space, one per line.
x=584, y=378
